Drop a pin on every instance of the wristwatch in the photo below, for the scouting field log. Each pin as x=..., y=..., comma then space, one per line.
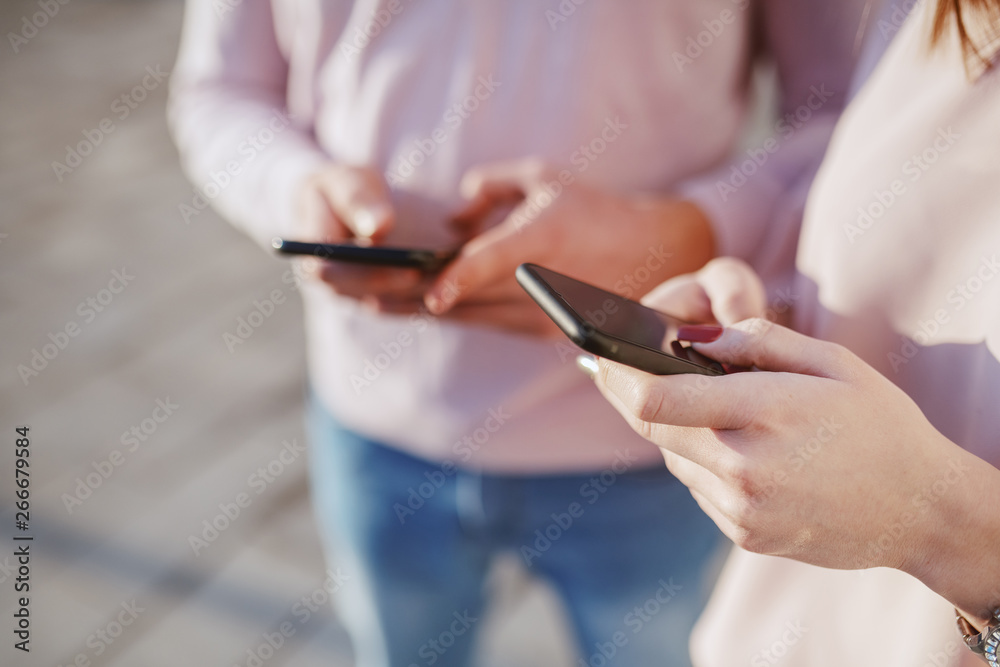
x=984, y=643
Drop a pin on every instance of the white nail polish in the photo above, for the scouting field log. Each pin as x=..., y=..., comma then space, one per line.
x=588, y=364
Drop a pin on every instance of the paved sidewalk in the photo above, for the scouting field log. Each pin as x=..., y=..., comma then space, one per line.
x=143, y=425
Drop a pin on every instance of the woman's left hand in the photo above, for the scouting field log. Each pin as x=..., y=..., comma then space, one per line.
x=820, y=458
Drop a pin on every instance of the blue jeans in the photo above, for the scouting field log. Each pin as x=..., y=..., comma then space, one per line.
x=631, y=554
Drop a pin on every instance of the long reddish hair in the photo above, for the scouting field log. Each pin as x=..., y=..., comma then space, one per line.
x=978, y=25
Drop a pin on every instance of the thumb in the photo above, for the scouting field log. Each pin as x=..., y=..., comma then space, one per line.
x=682, y=297
x=360, y=200
x=733, y=288
x=485, y=260
x=367, y=215
x=487, y=185
x=369, y=219
x=499, y=179
x=762, y=344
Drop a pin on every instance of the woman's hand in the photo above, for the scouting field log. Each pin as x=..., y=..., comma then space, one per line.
x=618, y=243
x=811, y=460
x=816, y=456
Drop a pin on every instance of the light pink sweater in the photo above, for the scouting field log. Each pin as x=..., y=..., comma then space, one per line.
x=636, y=97
x=899, y=261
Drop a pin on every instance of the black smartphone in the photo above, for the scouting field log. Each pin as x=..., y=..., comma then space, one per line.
x=612, y=326
x=408, y=258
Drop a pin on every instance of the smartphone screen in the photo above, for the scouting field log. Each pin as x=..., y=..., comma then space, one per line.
x=611, y=325
x=613, y=314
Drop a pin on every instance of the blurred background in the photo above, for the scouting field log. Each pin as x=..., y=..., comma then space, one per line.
x=145, y=425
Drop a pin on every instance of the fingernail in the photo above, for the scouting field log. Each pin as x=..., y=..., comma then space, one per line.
x=433, y=304
x=588, y=364
x=364, y=223
x=699, y=333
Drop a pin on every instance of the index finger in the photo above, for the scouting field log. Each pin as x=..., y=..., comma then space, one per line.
x=701, y=446
x=718, y=402
x=359, y=281
x=490, y=257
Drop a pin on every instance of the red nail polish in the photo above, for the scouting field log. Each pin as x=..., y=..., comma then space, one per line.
x=699, y=333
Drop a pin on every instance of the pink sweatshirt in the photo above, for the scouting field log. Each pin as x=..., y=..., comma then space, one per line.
x=900, y=262
x=644, y=96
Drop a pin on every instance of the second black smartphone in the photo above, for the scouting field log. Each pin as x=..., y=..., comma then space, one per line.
x=407, y=258
x=612, y=326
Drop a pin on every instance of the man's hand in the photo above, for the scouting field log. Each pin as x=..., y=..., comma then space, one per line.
x=625, y=245
x=348, y=203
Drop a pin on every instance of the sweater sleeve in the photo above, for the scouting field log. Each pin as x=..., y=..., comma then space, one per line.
x=755, y=200
x=228, y=115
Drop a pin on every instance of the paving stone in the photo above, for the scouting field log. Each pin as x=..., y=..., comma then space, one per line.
x=160, y=338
